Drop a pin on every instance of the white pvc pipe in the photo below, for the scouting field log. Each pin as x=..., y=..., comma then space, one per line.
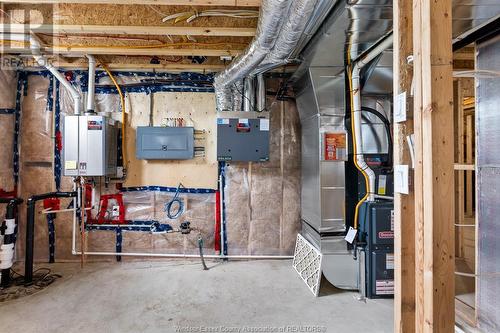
x=356, y=87
x=35, y=47
x=91, y=86
x=174, y=255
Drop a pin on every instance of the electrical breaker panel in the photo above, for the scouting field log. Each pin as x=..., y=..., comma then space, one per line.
x=89, y=146
x=164, y=143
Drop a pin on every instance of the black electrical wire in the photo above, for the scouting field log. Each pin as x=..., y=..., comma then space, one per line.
x=387, y=126
x=42, y=278
x=170, y=204
x=243, y=95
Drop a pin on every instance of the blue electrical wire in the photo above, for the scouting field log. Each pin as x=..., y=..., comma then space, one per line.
x=180, y=203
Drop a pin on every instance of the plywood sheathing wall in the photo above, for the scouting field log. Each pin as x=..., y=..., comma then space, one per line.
x=198, y=110
x=263, y=199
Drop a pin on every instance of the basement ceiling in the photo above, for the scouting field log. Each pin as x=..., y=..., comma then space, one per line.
x=136, y=34
x=131, y=33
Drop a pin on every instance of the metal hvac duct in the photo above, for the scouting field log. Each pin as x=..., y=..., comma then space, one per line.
x=290, y=34
x=237, y=94
x=281, y=26
x=249, y=94
x=268, y=28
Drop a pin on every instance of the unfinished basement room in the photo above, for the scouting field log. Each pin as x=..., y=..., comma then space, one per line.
x=296, y=166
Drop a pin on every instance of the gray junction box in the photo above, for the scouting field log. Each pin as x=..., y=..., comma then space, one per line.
x=90, y=145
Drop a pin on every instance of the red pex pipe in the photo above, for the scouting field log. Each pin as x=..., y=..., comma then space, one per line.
x=217, y=222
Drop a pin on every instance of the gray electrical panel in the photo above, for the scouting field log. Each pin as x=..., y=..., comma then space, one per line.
x=89, y=146
x=243, y=139
x=164, y=143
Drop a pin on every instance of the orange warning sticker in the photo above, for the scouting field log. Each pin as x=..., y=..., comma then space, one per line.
x=335, y=147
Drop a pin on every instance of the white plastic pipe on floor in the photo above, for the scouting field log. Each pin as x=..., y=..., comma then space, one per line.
x=356, y=87
x=174, y=255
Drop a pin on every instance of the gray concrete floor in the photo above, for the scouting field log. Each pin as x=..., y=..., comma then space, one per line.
x=178, y=296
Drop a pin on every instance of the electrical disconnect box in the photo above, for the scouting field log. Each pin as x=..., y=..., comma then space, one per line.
x=164, y=143
x=90, y=145
x=243, y=136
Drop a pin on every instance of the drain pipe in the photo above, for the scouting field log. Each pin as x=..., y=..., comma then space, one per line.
x=30, y=229
x=8, y=234
x=356, y=88
x=35, y=47
x=91, y=85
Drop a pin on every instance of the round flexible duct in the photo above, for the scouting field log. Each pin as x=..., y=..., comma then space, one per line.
x=271, y=19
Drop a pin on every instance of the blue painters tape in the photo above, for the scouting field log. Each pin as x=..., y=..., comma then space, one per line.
x=22, y=83
x=167, y=189
x=52, y=236
x=50, y=96
x=222, y=168
x=7, y=111
x=154, y=89
x=57, y=130
x=138, y=226
x=119, y=239
x=83, y=74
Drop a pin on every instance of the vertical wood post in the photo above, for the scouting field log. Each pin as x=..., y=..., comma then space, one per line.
x=404, y=208
x=434, y=178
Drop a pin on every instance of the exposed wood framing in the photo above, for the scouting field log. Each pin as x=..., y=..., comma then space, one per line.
x=469, y=159
x=404, y=210
x=147, y=67
x=464, y=166
x=79, y=51
x=239, y=3
x=128, y=30
x=434, y=175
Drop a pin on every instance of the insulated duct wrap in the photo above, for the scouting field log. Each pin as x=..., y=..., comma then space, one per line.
x=268, y=29
x=291, y=32
x=237, y=92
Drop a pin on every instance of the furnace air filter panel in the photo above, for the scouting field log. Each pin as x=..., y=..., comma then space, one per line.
x=242, y=140
x=89, y=146
x=165, y=143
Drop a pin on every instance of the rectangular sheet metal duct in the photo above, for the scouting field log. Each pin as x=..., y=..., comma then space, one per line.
x=488, y=184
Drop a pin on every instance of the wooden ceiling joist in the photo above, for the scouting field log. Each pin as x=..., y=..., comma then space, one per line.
x=231, y=3
x=78, y=51
x=128, y=30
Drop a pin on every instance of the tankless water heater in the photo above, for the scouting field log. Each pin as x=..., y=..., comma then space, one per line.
x=89, y=146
